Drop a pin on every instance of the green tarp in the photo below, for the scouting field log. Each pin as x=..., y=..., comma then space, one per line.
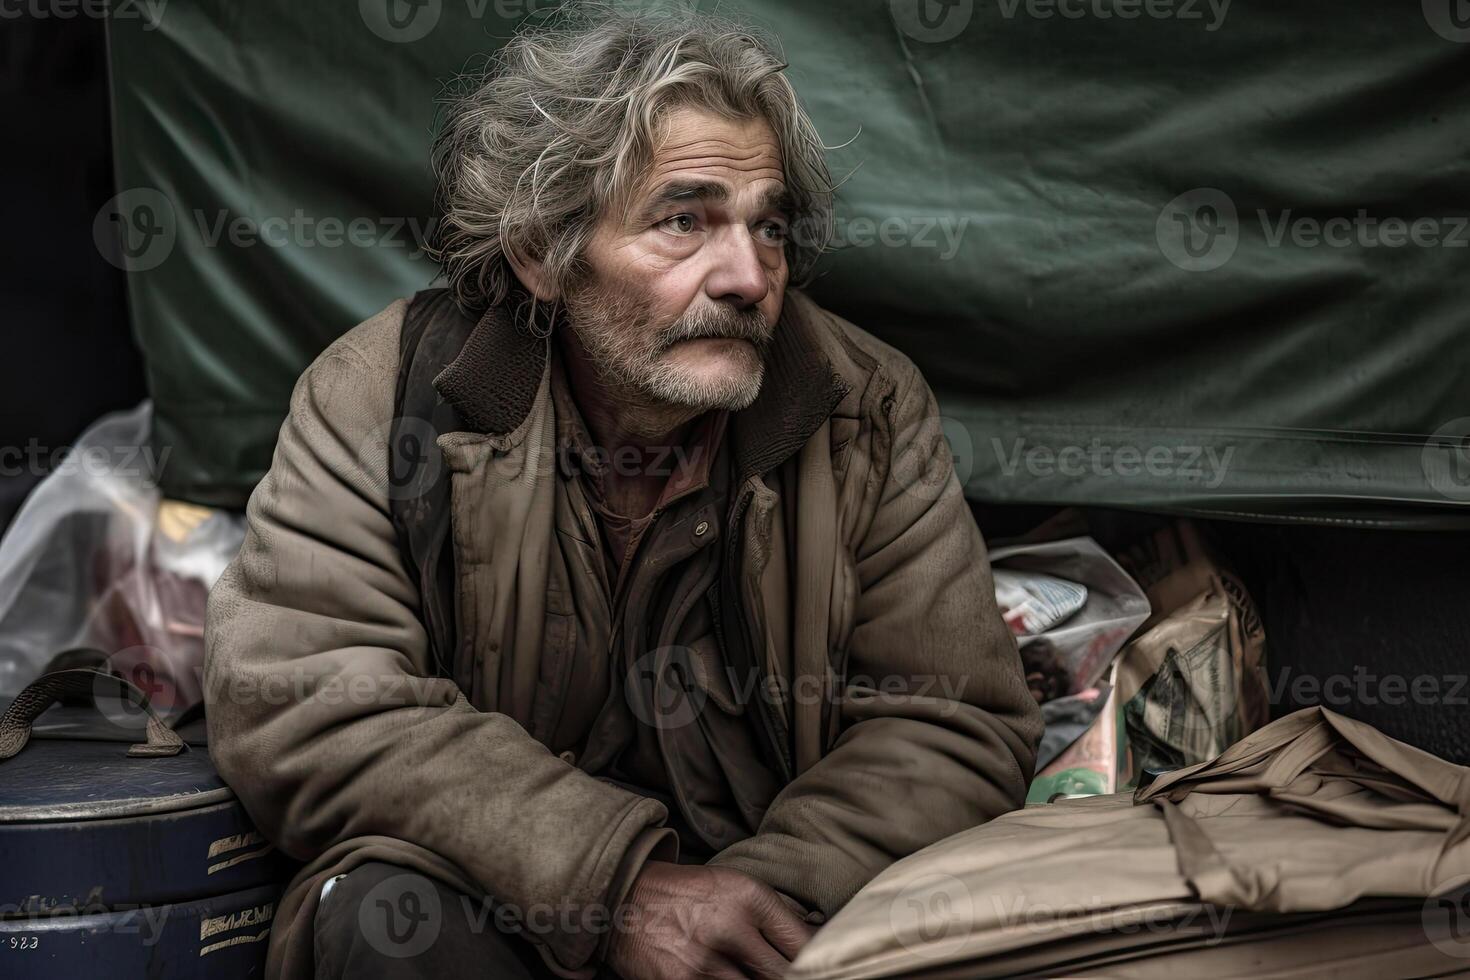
x=1166, y=254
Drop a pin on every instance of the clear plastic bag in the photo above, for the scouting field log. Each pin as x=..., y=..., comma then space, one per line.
x=1072, y=654
x=96, y=558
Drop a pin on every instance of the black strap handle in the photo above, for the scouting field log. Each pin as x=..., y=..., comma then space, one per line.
x=80, y=685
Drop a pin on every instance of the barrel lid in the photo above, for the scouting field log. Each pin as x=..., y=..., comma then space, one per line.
x=76, y=767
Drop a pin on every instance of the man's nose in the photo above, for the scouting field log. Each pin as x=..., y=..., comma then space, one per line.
x=737, y=275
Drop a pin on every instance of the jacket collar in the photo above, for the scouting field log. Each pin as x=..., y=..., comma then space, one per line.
x=494, y=380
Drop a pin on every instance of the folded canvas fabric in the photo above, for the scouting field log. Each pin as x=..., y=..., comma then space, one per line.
x=1315, y=846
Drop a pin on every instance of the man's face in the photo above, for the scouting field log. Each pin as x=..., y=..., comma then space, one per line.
x=685, y=291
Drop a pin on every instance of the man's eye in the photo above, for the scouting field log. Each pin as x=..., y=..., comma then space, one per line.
x=679, y=224
x=772, y=231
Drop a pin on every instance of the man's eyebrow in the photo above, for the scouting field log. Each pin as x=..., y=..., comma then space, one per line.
x=683, y=190
x=778, y=199
x=775, y=199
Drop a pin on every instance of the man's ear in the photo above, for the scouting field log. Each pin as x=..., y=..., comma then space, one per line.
x=530, y=271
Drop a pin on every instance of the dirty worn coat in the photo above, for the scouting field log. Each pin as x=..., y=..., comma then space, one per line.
x=891, y=688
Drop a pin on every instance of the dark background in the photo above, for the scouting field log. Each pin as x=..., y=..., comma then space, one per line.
x=69, y=354
x=1331, y=598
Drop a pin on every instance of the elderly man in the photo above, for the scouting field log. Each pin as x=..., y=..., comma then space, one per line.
x=678, y=629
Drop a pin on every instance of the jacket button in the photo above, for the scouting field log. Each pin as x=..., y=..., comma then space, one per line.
x=569, y=757
x=700, y=528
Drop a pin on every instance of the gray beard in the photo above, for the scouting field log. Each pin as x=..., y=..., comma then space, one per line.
x=632, y=359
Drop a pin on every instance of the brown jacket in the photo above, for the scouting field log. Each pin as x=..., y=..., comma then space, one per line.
x=893, y=687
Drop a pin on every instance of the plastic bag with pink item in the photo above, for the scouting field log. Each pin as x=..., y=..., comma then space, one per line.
x=97, y=559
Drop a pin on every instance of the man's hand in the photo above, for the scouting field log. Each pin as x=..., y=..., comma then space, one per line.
x=691, y=921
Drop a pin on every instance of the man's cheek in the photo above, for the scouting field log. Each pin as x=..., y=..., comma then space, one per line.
x=771, y=306
x=644, y=264
x=779, y=278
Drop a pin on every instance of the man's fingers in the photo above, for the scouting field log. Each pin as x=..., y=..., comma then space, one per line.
x=789, y=938
x=720, y=968
x=756, y=956
x=682, y=961
x=792, y=904
x=782, y=927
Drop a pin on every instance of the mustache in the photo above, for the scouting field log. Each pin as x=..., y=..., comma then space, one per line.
x=720, y=323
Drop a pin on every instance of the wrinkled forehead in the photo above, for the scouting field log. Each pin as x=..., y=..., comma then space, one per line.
x=694, y=145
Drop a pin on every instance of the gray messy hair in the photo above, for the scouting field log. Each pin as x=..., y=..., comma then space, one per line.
x=562, y=124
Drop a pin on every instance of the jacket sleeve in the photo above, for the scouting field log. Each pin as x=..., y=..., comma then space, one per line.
x=937, y=731
x=323, y=715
